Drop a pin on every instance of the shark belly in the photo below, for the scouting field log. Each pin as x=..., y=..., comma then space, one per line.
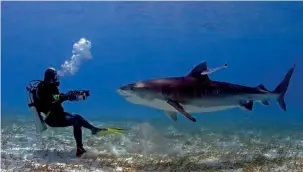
x=194, y=106
x=154, y=103
x=195, y=109
x=198, y=105
x=210, y=105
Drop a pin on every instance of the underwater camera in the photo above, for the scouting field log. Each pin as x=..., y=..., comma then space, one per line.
x=79, y=94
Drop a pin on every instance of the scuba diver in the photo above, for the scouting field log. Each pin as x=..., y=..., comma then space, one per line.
x=48, y=99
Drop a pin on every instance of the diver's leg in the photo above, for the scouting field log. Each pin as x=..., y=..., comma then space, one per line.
x=57, y=119
x=78, y=138
x=79, y=120
x=63, y=119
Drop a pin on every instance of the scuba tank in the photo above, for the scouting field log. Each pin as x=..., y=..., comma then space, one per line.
x=37, y=116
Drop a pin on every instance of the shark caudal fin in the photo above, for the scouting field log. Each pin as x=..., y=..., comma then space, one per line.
x=282, y=88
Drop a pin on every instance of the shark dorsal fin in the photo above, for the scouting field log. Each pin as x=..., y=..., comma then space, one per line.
x=261, y=86
x=196, y=72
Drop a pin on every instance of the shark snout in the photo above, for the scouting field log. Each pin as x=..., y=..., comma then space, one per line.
x=125, y=90
x=123, y=93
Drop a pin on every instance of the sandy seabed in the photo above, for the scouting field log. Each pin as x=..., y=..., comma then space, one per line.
x=146, y=147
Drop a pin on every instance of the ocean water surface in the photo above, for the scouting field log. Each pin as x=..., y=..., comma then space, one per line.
x=132, y=41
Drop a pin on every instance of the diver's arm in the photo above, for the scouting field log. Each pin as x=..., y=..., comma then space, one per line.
x=60, y=97
x=70, y=96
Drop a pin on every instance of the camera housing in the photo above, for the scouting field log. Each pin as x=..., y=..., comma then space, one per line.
x=85, y=93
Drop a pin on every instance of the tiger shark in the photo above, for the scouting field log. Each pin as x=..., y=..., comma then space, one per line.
x=197, y=93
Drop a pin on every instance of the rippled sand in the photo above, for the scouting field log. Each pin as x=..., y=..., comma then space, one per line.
x=148, y=147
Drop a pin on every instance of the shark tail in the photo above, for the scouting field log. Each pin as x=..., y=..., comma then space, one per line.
x=282, y=88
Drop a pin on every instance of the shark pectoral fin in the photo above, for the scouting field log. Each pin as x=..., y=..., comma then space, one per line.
x=172, y=115
x=179, y=108
x=248, y=105
x=265, y=102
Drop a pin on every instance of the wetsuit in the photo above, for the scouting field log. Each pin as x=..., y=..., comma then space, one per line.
x=47, y=94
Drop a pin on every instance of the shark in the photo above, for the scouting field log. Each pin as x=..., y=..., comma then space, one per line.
x=195, y=92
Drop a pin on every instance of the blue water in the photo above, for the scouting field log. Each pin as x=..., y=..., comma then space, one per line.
x=134, y=41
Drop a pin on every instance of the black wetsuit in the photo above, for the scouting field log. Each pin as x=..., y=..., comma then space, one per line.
x=56, y=117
